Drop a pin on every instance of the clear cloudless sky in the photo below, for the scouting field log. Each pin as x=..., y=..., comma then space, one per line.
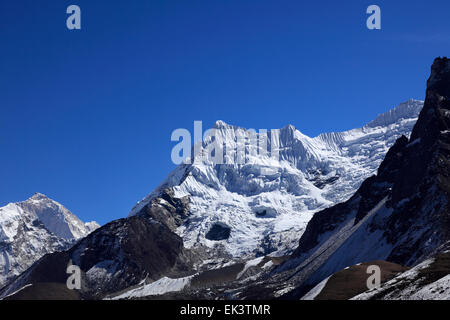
x=86, y=116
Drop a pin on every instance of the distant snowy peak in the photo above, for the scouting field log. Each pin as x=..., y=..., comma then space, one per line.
x=56, y=218
x=32, y=228
x=406, y=110
x=220, y=124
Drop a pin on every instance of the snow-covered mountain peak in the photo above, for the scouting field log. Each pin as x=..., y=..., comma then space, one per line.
x=55, y=217
x=289, y=128
x=38, y=196
x=219, y=124
x=407, y=110
x=32, y=228
x=267, y=200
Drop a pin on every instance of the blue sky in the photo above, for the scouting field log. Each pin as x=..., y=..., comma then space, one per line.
x=86, y=116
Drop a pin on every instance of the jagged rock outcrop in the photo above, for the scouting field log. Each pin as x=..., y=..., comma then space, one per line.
x=167, y=209
x=114, y=257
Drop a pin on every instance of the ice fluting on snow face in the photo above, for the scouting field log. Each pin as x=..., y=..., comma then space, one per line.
x=268, y=201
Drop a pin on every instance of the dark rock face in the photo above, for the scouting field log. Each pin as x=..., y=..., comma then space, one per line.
x=421, y=192
x=261, y=213
x=131, y=249
x=319, y=181
x=167, y=209
x=114, y=257
x=219, y=231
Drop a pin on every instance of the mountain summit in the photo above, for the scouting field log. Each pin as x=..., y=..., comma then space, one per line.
x=56, y=218
x=33, y=228
x=264, y=205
